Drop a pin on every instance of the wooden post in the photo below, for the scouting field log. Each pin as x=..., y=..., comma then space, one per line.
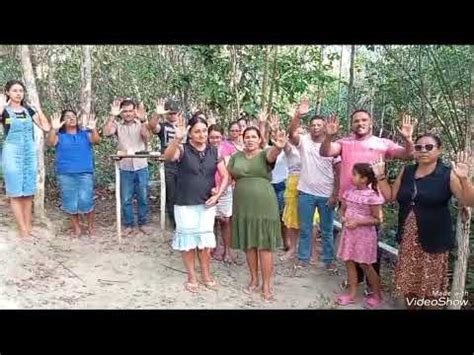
x=162, y=195
x=118, y=201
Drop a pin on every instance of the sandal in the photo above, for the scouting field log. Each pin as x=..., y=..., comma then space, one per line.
x=192, y=287
x=345, y=300
x=212, y=284
x=373, y=301
x=250, y=289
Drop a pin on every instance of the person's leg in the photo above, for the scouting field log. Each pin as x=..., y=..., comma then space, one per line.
x=228, y=256
x=306, y=207
x=326, y=214
x=91, y=223
x=204, y=256
x=293, y=242
x=252, y=261
x=76, y=227
x=188, y=258
x=28, y=213
x=266, y=265
x=141, y=190
x=126, y=195
x=374, y=282
x=352, y=281
x=17, y=208
x=171, y=177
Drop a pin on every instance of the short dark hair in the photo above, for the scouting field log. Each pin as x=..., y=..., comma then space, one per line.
x=128, y=102
x=360, y=110
x=233, y=123
x=317, y=117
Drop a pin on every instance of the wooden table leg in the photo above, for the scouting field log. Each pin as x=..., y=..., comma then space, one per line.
x=118, y=201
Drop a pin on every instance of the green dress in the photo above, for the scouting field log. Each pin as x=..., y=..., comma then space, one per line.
x=255, y=216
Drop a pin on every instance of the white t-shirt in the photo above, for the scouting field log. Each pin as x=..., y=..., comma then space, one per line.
x=317, y=173
x=294, y=160
x=280, y=171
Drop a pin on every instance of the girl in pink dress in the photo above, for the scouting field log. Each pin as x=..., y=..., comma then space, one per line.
x=361, y=211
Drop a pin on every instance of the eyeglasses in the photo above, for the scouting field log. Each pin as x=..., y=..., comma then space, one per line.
x=428, y=147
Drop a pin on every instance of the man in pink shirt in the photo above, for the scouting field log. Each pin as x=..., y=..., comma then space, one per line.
x=363, y=147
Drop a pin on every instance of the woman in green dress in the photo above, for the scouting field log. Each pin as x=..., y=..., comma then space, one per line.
x=255, y=217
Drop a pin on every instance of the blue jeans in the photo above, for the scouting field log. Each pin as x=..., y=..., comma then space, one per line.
x=134, y=183
x=280, y=194
x=307, y=205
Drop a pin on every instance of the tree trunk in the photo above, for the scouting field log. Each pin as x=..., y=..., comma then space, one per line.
x=31, y=88
x=463, y=225
x=86, y=81
x=265, y=78
x=382, y=116
x=272, y=80
x=319, y=96
x=339, y=83
x=350, y=88
x=235, y=79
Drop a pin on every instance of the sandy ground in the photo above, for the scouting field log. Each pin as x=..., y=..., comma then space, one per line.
x=53, y=271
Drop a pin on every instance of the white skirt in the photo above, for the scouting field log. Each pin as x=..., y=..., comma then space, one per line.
x=194, y=227
x=224, y=205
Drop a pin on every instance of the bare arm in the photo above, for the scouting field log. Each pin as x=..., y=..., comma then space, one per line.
x=52, y=138
x=293, y=129
x=144, y=132
x=172, y=151
x=110, y=127
x=42, y=121
x=390, y=192
x=94, y=136
x=154, y=123
x=460, y=182
x=328, y=147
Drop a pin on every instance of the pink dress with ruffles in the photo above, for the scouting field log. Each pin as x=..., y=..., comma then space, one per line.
x=359, y=244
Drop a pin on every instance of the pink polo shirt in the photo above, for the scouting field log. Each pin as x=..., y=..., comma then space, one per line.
x=365, y=150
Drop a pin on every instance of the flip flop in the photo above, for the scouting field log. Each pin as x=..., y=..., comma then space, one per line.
x=191, y=287
x=345, y=300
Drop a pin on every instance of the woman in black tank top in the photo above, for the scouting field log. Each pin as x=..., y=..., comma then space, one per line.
x=425, y=233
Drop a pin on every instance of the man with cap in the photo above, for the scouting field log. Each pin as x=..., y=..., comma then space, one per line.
x=166, y=132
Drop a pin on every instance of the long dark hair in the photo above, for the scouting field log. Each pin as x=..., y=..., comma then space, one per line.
x=365, y=170
x=9, y=85
x=63, y=117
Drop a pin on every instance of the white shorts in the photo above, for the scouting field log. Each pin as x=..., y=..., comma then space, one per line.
x=224, y=205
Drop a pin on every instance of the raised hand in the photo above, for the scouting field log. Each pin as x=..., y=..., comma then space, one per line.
x=4, y=101
x=91, y=121
x=378, y=167
x=407, y=127
x=141, y=112
x=274, y=123
x=160, y=107
x=115, y=109
x=56, y=123
x=280, y=139
x=291, y=110
x=461, y=166
x=332, y=125
x=211, y=119
x=303, y=107
x=263, y=115
x=181, y=129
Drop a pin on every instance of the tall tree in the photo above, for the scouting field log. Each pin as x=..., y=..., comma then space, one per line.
x=350, y=89
x=30, y=82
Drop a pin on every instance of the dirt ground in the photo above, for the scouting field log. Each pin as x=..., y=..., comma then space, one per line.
x=54, y=271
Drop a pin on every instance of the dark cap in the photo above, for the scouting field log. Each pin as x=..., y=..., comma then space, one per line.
x=172, y=105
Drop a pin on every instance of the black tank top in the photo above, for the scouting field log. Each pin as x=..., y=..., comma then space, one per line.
x=196, y=172
x=429, y=198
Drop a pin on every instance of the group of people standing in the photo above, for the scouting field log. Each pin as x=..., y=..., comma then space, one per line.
x=260, y=186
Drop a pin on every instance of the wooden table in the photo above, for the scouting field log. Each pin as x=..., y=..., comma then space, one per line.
x=118, y=202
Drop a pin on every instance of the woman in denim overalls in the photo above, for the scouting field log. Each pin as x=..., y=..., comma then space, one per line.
x=19, y=155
